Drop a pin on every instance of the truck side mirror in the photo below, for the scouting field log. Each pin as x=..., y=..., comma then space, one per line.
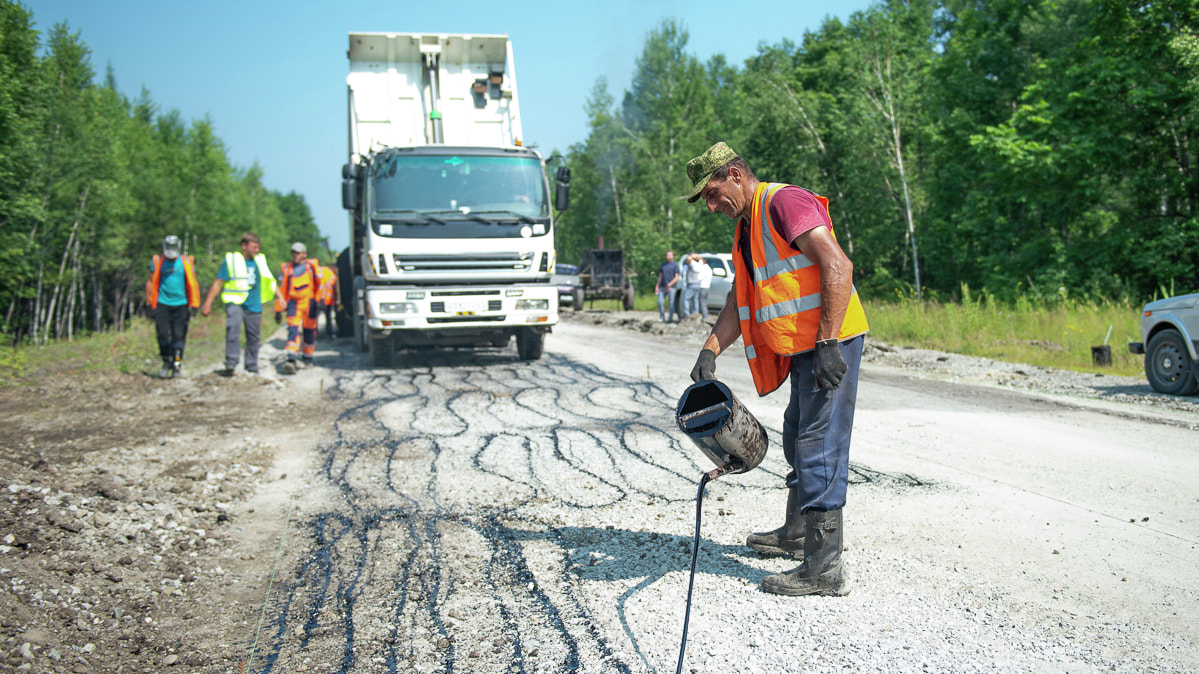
x=562, y=188
x=349, y=194
x=349, y=171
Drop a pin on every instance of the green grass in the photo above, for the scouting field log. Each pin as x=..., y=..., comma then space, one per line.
x=1058, y=334
x=133, y=350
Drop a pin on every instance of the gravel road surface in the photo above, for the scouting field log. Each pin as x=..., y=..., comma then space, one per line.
x=471, y=512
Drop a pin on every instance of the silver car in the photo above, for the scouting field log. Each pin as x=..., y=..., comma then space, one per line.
x=1170, y=330
x=722, y=279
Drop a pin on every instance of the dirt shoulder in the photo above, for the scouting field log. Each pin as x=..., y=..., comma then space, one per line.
x=125, y=538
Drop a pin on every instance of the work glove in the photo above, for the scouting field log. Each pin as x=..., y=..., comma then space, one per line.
x=278, y=317
x=829, y=365
x=705, y=366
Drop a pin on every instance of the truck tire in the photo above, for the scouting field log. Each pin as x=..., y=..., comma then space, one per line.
x=360, y=338
x=1168, y=365
x=630, y=297
x=382, y=351
x=579, y=298
x=529, y=343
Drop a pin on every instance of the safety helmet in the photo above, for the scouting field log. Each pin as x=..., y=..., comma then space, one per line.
x=170, y=247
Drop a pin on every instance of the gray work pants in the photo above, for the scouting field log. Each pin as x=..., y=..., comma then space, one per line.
x=235, y=316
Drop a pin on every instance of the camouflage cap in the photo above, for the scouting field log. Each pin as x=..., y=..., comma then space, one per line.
x=700, y=169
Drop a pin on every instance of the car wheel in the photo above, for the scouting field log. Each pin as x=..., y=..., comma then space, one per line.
x=1168, y=366
x=579, y=298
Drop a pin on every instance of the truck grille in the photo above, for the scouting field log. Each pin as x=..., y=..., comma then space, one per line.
x=469, y=263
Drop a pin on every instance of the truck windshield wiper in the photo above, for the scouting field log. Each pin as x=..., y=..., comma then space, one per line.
x=523, y=218
x=405, y=212
x=470, y=216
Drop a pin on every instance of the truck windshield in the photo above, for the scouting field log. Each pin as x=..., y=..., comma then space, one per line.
x=506, y=188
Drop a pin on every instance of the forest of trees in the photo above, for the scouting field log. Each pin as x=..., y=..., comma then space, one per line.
x=91, y=182
x=1017, y=147
x=1042, y=147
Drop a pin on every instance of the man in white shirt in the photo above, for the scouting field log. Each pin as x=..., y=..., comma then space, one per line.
x=703, y=281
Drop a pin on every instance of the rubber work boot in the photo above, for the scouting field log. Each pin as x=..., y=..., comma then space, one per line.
x=787, y=539
x=289, y=367
x=822, y=571
x=166, y=372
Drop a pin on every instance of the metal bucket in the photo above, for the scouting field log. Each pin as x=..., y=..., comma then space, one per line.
x=721, y=427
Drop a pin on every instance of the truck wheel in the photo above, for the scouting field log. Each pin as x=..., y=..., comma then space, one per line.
x=529, y=343
x=381, y=350
x=579, y=298
x=1168, y=366
x=360, y=334
x=629, y=297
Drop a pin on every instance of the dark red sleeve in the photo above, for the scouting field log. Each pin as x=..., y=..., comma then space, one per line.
x=794, y=211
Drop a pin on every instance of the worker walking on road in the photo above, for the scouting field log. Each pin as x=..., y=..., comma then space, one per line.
x=326, y=297
x=794, y=305
x=299, y=285
x=172, y=293
x=246, y=284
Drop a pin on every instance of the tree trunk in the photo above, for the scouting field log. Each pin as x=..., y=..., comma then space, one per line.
x=37, y=297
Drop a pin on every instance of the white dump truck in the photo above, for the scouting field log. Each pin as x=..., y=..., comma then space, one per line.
x=451, y=226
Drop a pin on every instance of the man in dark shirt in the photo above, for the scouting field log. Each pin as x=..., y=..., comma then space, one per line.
x=668, y=278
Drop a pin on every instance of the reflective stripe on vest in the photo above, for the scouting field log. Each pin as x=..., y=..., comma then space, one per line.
x=237, y=288
x=779, y=311
x=191, y=285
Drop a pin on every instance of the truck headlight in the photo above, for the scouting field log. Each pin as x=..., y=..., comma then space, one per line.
x=397, y=308
x=532, y=305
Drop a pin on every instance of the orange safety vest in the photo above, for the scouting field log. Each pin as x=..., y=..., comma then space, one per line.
x=779, y=310
x=292, y=287
x=327, y=294
x=189, y=277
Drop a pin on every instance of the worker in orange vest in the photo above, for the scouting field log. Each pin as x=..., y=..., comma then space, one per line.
x=795, y=307
x=173, y=294
x=299, y=285
x=327, y=297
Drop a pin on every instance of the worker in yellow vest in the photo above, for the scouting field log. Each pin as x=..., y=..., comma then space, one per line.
x=245, y=284
x=794, y=305
x=172, y=293
x=299, y=283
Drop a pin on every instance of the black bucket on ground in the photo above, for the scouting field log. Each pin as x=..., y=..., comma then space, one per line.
x=721, y=427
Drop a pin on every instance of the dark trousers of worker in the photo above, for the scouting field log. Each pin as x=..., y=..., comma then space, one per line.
x=235, y=317
x=816, y=430
x=171, y=325
x=302, y=318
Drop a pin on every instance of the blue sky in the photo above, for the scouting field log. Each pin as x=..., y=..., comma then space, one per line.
x=271, y=75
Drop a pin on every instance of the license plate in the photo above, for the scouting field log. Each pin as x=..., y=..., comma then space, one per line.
x=465, y=308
